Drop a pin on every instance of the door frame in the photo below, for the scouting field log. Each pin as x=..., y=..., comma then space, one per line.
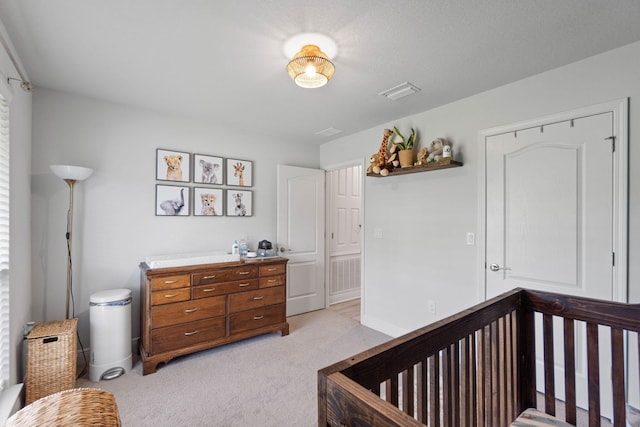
x=620, y=111
x=330, y=168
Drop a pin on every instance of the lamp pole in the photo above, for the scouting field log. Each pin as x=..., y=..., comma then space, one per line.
x=71, y=183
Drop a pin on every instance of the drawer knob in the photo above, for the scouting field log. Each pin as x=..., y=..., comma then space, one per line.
x=272, y=269
x=169, y=282
x=271, y=280
x=210, y=277
x=258, y=298
x=242, y=273
x=242, y=285
x=188, y=334
x=209, y=290
x=258, y=317
x=190, y=310
x=170, y=295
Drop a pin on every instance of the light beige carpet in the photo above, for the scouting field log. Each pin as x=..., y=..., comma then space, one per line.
x=264, y=381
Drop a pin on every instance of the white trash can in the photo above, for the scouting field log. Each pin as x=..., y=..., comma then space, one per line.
x=110, y=334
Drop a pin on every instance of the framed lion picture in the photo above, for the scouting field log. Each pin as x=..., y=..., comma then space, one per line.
x=172, y=165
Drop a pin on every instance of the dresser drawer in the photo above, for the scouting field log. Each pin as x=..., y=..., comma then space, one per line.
x=254, y=299
x=225, y=275
x=188, y=311
x=175, y=337
x=268, y=281
x=205, y=291
x=170, y=282
x=170, y=295
x=257, y=318
x=272, y=270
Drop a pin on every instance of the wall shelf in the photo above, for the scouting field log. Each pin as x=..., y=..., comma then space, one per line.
x=420, y=168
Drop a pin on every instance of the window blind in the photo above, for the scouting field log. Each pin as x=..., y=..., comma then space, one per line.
x=4, y=244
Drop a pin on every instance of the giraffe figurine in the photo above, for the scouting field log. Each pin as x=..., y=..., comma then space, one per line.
x=239, y=172
x=381, y=158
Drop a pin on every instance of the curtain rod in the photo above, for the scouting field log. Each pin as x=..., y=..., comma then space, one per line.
x=24, y=84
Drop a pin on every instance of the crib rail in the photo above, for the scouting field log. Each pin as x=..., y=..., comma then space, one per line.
x=478, y=367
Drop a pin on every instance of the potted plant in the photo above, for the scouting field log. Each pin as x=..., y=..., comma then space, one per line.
x=405, y=155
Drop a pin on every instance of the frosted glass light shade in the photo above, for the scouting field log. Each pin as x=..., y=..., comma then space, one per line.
x=77, y=173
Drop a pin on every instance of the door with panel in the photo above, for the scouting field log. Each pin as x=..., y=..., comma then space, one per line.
x=300, y=235
x=550, y=224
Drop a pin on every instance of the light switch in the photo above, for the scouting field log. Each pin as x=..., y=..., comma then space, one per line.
x=377, y=233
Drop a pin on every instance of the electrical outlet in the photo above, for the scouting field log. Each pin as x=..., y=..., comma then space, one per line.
x=471, y=239
x=377, y=233
x=431, y=306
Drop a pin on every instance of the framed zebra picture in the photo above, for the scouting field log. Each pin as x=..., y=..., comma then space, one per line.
x=239, y=173
x=239, y=203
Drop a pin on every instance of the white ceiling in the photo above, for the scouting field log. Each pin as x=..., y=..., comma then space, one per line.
x=223, y=60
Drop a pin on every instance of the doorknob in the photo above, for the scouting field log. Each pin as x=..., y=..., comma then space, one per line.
x=282, y=249
x=496, y=267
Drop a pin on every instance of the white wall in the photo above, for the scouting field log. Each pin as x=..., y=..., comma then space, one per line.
x=20, y=252
x=425, y=217
x=115, y=226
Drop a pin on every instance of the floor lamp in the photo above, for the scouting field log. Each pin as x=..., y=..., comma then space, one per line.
x=71, y=175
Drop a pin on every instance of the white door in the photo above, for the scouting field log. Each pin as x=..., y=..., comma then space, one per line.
x=344, y=197
x=549, y=220
x=300, y=235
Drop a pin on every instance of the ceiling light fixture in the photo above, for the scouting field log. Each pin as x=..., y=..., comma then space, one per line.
x=311, y=68
x=400, y=91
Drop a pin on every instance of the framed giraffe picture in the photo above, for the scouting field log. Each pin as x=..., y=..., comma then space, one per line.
x=239, y=173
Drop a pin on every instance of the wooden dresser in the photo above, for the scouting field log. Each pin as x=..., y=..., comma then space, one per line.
x=192, y=308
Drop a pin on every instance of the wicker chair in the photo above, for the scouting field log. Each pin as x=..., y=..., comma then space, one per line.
x=75, y=407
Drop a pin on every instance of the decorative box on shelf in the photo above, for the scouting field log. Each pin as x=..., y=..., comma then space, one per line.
x=442, y=164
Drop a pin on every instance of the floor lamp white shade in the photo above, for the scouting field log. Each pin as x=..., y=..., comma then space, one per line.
x=70, y=174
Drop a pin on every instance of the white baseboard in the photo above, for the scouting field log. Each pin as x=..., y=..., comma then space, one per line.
x=10, y=402
x=382, y=326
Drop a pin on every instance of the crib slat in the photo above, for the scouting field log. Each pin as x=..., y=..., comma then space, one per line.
x=502, y=371
x=446, y=388
x=514, y=357
x=434, y=390
x=549, y=378
x=454, y=362
x=508, y=370
x=617, y=366
x=495, y=379
x=407, y=391
x=422, y=396
x=593, y=369
x=392, y=390
x=569, y=371
x=481, y=377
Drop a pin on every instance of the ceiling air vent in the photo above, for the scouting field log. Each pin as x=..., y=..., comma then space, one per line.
x=400, y=91
x=329, y=132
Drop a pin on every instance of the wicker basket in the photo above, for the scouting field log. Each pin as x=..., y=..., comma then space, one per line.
x=75, y=407
x=51, y=359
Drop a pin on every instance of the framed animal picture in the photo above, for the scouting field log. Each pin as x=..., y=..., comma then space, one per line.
x=172, y=165
x=208, y=169
x=239, y=203
x=207, y=201
x=172, y=200
x=239, y=173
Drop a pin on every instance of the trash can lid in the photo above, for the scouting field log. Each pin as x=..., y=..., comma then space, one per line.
x=110, y=296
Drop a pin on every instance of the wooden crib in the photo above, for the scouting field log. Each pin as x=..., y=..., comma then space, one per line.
x=478, y=367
